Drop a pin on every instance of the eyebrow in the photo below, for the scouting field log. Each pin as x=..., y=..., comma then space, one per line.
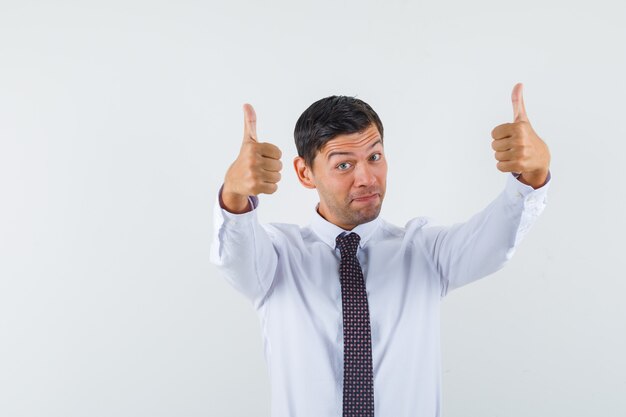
x=351, y=153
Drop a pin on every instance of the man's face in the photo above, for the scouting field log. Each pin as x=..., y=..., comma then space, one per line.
x=350, y=174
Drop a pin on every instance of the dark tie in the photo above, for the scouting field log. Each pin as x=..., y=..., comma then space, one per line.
x=358, y=377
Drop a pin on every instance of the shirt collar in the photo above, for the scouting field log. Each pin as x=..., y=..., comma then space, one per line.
x=328, y=231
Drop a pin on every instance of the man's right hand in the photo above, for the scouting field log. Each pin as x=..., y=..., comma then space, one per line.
x=255, y=171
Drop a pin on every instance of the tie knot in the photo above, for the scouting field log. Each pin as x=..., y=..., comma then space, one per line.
x=348, y=244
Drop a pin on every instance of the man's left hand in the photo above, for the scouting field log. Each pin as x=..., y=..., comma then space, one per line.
x=518, y=148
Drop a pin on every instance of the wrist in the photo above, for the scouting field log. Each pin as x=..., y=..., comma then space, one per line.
x=535, y=179
x=233, y=202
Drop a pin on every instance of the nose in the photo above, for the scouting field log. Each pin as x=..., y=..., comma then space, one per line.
x=363, y=175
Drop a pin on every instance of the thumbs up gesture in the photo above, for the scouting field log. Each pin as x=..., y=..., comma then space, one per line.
x=518, y=148
x=256, y=170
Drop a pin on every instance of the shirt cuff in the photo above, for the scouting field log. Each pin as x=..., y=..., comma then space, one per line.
x=518, y=191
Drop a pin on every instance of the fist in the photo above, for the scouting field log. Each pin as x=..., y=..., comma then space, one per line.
x=256, y=170
x=518, y=148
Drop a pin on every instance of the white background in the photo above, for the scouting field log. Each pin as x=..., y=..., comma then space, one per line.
x=118, y=120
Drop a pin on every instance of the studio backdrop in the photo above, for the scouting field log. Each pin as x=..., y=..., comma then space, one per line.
x=119, y=119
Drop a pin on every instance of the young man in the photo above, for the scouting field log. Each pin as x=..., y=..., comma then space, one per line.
x=349, y=304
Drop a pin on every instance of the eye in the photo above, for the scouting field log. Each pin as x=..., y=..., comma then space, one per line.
x=376, y=157
x=343, y=166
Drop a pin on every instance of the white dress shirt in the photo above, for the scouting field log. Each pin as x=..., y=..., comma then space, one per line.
x=291, y=275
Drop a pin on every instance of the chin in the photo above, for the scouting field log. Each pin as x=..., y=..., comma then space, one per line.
x=367, y=215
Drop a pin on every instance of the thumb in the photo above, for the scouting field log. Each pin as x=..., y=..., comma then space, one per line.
x=519, y=111
x=249, y=123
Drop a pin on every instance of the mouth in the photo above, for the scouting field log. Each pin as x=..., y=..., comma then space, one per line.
x=366, y=198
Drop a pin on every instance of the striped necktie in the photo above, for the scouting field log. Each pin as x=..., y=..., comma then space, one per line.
x=358, y=376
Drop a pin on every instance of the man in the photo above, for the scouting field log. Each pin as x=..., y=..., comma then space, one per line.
x=349, y=304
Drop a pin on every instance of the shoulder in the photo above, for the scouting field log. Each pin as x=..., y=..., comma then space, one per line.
x=422, y=223
x=413, y=226
x=418, y=231
x=286, y=232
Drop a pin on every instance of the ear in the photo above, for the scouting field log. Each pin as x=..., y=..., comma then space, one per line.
x=304, y=173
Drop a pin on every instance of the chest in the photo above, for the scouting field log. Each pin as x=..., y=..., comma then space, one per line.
x=402, y=290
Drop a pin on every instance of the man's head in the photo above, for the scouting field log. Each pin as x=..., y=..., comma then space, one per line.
x=340, y=153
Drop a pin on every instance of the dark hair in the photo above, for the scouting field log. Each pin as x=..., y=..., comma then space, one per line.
x=330, y=117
